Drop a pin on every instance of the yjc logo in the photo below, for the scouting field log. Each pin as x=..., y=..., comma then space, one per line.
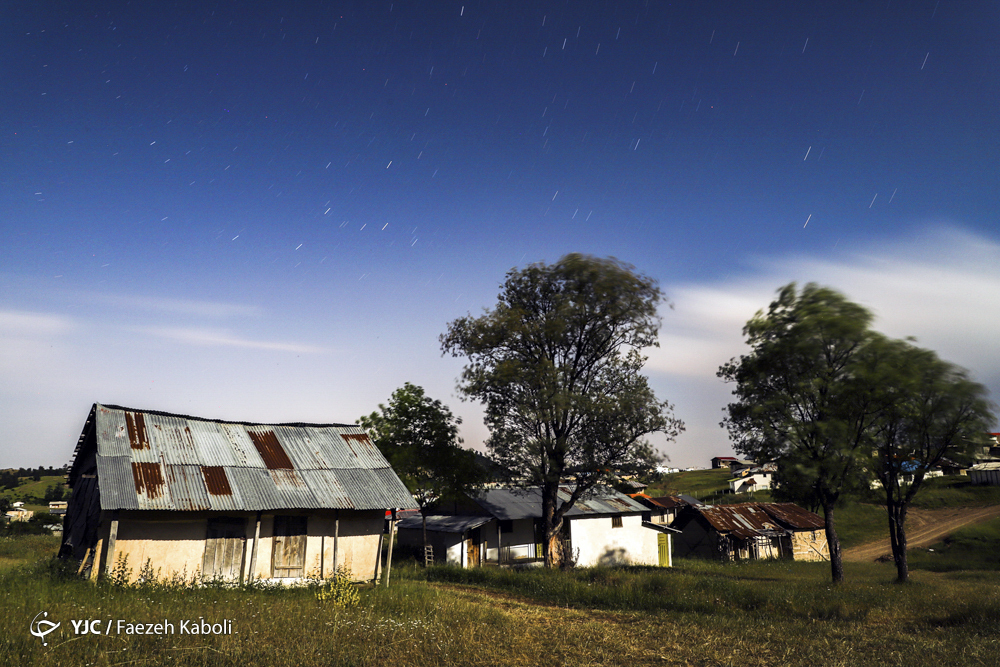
x=42, y=627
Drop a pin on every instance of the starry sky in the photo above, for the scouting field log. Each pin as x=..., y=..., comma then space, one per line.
x=269, y=211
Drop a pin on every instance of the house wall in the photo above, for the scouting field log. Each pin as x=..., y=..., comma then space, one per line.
x=596, y=542
x=698, y=541
x=174, y=543
x=989, y=476
x=810, y=545
x=761, y=482
x=448, y=546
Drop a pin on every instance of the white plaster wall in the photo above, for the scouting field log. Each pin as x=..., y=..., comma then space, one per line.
x=596, y=542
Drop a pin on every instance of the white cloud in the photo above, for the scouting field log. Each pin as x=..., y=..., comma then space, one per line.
x=156, y=304
x=25, y=323
x=939, y=286
x=218, y=337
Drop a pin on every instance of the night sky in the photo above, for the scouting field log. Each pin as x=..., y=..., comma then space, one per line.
x=270, y=211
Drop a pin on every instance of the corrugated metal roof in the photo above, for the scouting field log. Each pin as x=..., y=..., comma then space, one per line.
x=514, y=503
x=160, y=461
x=749, y=519
x=443, y=523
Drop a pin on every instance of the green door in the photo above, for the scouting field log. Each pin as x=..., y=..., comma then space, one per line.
x=663, y=543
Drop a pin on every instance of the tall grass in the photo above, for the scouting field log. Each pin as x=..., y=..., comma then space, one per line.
x=775, y=613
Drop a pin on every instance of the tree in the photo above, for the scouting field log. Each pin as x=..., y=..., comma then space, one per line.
x=797, y=395
x=929, y=409
x=557, y=366
x=419, y=438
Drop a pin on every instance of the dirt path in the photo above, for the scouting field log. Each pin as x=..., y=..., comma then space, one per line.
x=923, y=528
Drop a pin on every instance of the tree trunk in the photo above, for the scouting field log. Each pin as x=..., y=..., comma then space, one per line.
x=552, y=544
x=897, y=535
x=833, y=542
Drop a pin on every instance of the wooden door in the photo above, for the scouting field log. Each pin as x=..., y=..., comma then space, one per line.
x=663, y=546
x=288, y=557
x=472, y=553
x=224, y=543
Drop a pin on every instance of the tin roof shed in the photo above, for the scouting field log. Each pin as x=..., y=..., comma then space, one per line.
x=148, y=460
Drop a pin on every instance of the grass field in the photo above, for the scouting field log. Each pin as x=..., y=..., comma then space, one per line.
x=699, y=613
x=30, y=488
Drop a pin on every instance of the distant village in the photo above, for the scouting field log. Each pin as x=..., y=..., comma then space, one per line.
x=175, y=496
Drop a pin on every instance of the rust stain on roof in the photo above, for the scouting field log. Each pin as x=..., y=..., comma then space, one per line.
x=216, y=481
x=275, y=457
x=135, y=422
x=148, y=479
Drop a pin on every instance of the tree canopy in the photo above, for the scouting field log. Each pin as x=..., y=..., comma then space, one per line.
x=419, y=437
x=835, y=403
x=929, y=413
x=797, y=400
x=557, y=364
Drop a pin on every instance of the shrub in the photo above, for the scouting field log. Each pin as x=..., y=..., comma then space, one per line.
x=338, y=590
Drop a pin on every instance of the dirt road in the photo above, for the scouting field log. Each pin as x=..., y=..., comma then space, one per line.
x=924, y=528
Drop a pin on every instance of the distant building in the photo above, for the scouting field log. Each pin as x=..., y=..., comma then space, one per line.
x=722, y=461
x=751, y=531
x=504, y=526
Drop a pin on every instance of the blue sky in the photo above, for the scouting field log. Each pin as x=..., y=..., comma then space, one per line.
x=271, y=211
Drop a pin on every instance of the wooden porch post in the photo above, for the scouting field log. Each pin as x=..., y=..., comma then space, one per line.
x=110, y=551
x=336, y=538
x=253, y=551
x=392, y=534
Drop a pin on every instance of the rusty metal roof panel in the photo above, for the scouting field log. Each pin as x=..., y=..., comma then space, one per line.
x=150, y=484
x=749, y=519
x=170, y=437
x=794, y=516
x=187, y=488
x=363, y=450
x=243, y=447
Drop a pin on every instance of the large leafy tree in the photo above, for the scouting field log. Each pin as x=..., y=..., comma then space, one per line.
x=419, y=437
x=929, y=410
x=557, y=364
x=797, y=396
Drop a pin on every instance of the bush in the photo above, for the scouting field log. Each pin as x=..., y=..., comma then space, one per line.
x=338, y=590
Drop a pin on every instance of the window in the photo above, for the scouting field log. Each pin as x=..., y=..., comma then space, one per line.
x=616, y=521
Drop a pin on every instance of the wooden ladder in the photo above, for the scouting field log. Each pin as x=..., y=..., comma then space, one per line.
x=428, y=556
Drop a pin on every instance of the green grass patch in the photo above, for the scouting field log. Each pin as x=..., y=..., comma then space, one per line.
x=699, y=613
x=955, y=491
x=975, y=547
x=697, y=483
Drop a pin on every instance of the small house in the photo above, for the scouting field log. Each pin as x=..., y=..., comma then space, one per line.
x=181, y=496
x=722, y=461
x=751, y=531
x=753, y=478
x=504, y=526
x=662, y=509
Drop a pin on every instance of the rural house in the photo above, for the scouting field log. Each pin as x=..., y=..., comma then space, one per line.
x=750, y=479
x=663, y=509
x=750, y=531
x=202, y=498
x=605, y=528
